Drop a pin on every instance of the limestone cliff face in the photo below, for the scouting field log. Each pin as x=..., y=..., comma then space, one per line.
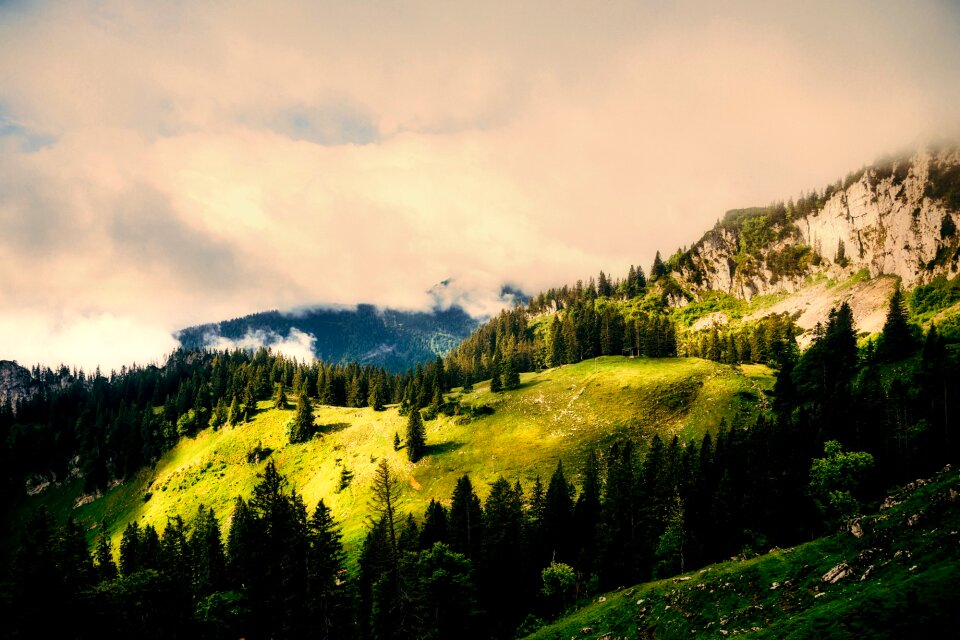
x=888, y=226
x=889, y=221
x=16, y=384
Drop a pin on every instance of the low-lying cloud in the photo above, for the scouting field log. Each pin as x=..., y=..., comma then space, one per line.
x=297, y=344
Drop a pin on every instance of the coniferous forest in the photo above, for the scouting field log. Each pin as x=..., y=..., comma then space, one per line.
x=848, y=421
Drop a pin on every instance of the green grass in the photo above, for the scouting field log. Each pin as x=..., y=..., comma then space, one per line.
x=902, y=583
x=556, y=414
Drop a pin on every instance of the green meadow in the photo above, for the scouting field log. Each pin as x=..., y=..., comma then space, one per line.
x=556, y=414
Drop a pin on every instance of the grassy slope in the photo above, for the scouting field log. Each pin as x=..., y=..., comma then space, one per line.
x=556, y=414
x=902, y=583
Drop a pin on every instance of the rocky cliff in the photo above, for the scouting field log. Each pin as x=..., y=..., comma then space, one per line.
x=16, y=384
x=897, y=218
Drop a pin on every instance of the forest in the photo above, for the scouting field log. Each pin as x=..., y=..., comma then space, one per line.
x=848, y=421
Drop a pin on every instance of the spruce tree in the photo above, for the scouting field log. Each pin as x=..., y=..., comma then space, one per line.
x=658, y=270
x=280, y=398
x=416, y=436
x=466, y=519
x=434, y=525
x=511, y=379
x=328, y=601
x=301, y=428
x=558, y=517
x=103, y=555
x=130, y=549
x=896, y=341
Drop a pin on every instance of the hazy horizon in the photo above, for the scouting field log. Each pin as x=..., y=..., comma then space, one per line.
x=169, y=165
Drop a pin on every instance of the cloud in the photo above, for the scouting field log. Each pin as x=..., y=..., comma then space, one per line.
x=88, y=341
x=173, y=164
x=297, y=344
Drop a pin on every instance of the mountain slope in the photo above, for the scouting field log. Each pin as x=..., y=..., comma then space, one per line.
x=556, y=414
x=897, y=218
x=396, y=340
x=891, y=574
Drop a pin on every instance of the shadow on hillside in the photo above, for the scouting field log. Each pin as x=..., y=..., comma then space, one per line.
x=532, y=383
x=333, y=427
x=443, y=447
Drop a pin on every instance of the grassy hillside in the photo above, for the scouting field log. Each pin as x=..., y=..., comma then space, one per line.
x=896, y=578
x=556, y=414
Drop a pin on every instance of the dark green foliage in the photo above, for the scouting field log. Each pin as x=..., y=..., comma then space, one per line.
x=416, y=437
x=511, y=378
x=434, y=525
x=465, y=523
x=106, y=568
x=947, y=227
x=301, y=427
x=328, y=598
x=944, y=184
x=280, y=398
x=444, y=594
x=770, y=339
x=558, y=518
x=896, y=341
x=496, y=385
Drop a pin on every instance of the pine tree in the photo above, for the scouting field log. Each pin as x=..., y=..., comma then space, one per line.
x=236, y=414
x=280, y=398
x=328, y=600
x=658, y=270
x=302, y=428
x=416, y=436
x=103, y=555
x=558, y=517
x=396, y=441
x=209, y=559
x=434, y=525
x=130, y=549
x=466, y=520
x=496, y=385
x=503, y=523
x=586, y=515
x=896, y=341
x=557, y=348
x=511, y=379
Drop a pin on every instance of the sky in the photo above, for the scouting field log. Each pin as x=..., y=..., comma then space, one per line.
x=167, y=164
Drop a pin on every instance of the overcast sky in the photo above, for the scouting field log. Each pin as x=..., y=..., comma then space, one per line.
x=169, y=163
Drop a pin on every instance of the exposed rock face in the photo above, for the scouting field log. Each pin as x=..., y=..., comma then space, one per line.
x=886, y=220
x=888, y=226
x=16, y=384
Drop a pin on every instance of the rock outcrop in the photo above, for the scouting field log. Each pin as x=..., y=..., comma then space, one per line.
x=897, y=218
x=16, y=384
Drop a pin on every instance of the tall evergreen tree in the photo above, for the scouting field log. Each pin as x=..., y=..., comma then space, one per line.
x=328, y=600
x=416, y=436
x=466, y=520
x=301, y=427
x=896, y=341
x=280, y=398
x=434, y=525
x=558, y=517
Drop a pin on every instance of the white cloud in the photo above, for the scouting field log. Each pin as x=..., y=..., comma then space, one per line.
x=87, y=341
x=297, y=344
x=201, y=161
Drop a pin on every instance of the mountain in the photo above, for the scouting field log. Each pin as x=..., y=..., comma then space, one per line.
x=894, y=220
x=394, y=339
x=606, y=434
x=889, y=574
